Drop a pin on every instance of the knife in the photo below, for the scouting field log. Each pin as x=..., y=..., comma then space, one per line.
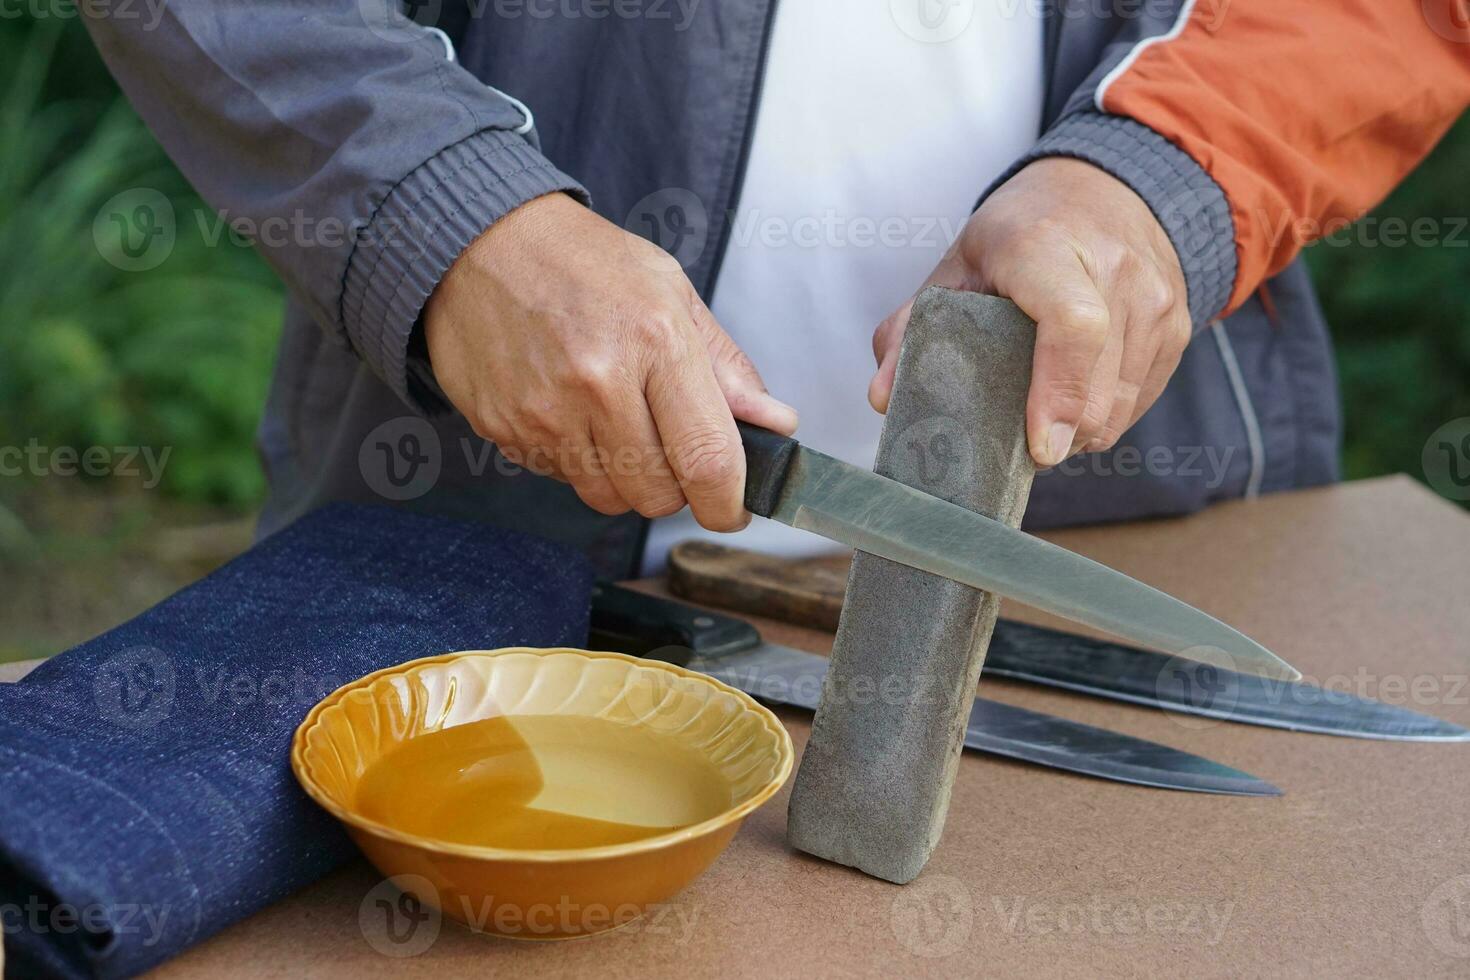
x=731, y=650
x=805, y=489
x=809, y=592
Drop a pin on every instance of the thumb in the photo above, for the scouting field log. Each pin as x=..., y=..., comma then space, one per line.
x=887, y=342
x=739, y=380
x=888, y=338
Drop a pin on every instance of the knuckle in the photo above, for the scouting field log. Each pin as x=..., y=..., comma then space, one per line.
x=656, y=327
x=594, y=374
x=1157, y=296
x=1070, y=394
x=1085, y=318
x=705, y=460
x=661, y=501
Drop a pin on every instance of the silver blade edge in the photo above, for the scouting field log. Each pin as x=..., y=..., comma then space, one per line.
x=883, y=517
x=794, y=677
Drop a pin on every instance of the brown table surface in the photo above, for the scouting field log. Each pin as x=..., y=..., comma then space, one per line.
x=1363, y=867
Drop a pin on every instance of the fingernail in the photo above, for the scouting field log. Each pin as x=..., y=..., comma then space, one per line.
x=1059, y=442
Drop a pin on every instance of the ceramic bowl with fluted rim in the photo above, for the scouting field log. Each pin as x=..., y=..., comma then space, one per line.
x=540, y=894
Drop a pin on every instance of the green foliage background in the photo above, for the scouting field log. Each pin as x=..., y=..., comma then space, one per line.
x=179, y=356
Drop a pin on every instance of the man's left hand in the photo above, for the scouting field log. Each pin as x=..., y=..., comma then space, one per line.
x=1084, y=257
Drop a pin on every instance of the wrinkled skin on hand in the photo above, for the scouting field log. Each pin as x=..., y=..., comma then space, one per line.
x=584, y=353
x=1085, y=258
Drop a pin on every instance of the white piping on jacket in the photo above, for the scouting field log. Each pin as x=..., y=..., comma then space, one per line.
x=1139, y=49
x=525, y=110
x=1253, y=439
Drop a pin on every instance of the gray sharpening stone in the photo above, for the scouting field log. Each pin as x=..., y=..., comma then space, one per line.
x=875, y=779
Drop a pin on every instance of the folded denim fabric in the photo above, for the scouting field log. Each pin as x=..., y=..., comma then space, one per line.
x=146, y=794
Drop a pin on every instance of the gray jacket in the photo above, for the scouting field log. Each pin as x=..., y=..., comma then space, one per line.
x=335, y=114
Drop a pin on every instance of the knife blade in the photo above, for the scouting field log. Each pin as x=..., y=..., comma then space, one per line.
x=731, y=650
x=811, y=491
x=1043, y=656
x=809, y=592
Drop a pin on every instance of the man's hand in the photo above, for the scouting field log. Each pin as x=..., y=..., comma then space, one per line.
x=1082, y=254
x=583, y=352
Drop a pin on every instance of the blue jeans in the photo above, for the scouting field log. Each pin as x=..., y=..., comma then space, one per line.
x=146, y=798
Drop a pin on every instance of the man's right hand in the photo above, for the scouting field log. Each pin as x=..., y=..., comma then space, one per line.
x=584, y=353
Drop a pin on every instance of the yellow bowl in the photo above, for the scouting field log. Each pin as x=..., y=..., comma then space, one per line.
x=609, y=717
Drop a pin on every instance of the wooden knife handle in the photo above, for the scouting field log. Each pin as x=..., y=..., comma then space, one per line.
x=805, y=591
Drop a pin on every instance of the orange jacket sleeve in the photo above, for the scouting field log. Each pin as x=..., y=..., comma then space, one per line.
x=1306, y=113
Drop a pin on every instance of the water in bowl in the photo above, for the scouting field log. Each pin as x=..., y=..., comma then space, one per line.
x=542, y=782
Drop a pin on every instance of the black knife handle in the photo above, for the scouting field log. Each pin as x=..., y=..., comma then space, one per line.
x=768, y=459
x=661, y=629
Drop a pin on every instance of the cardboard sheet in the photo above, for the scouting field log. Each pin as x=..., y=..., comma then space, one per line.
x=1362, y=868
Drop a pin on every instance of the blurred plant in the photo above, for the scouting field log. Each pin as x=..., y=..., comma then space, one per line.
x=90, y=354
x=1400, y=313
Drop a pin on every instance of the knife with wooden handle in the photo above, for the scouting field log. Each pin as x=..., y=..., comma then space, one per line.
x=809, y=592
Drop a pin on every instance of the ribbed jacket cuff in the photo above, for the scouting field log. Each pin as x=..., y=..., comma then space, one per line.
x=424, y=224
x=1188, y=203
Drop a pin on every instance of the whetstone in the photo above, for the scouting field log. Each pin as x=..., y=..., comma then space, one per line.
x=875, y=779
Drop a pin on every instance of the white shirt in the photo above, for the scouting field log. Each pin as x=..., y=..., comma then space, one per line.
x=880, y=124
